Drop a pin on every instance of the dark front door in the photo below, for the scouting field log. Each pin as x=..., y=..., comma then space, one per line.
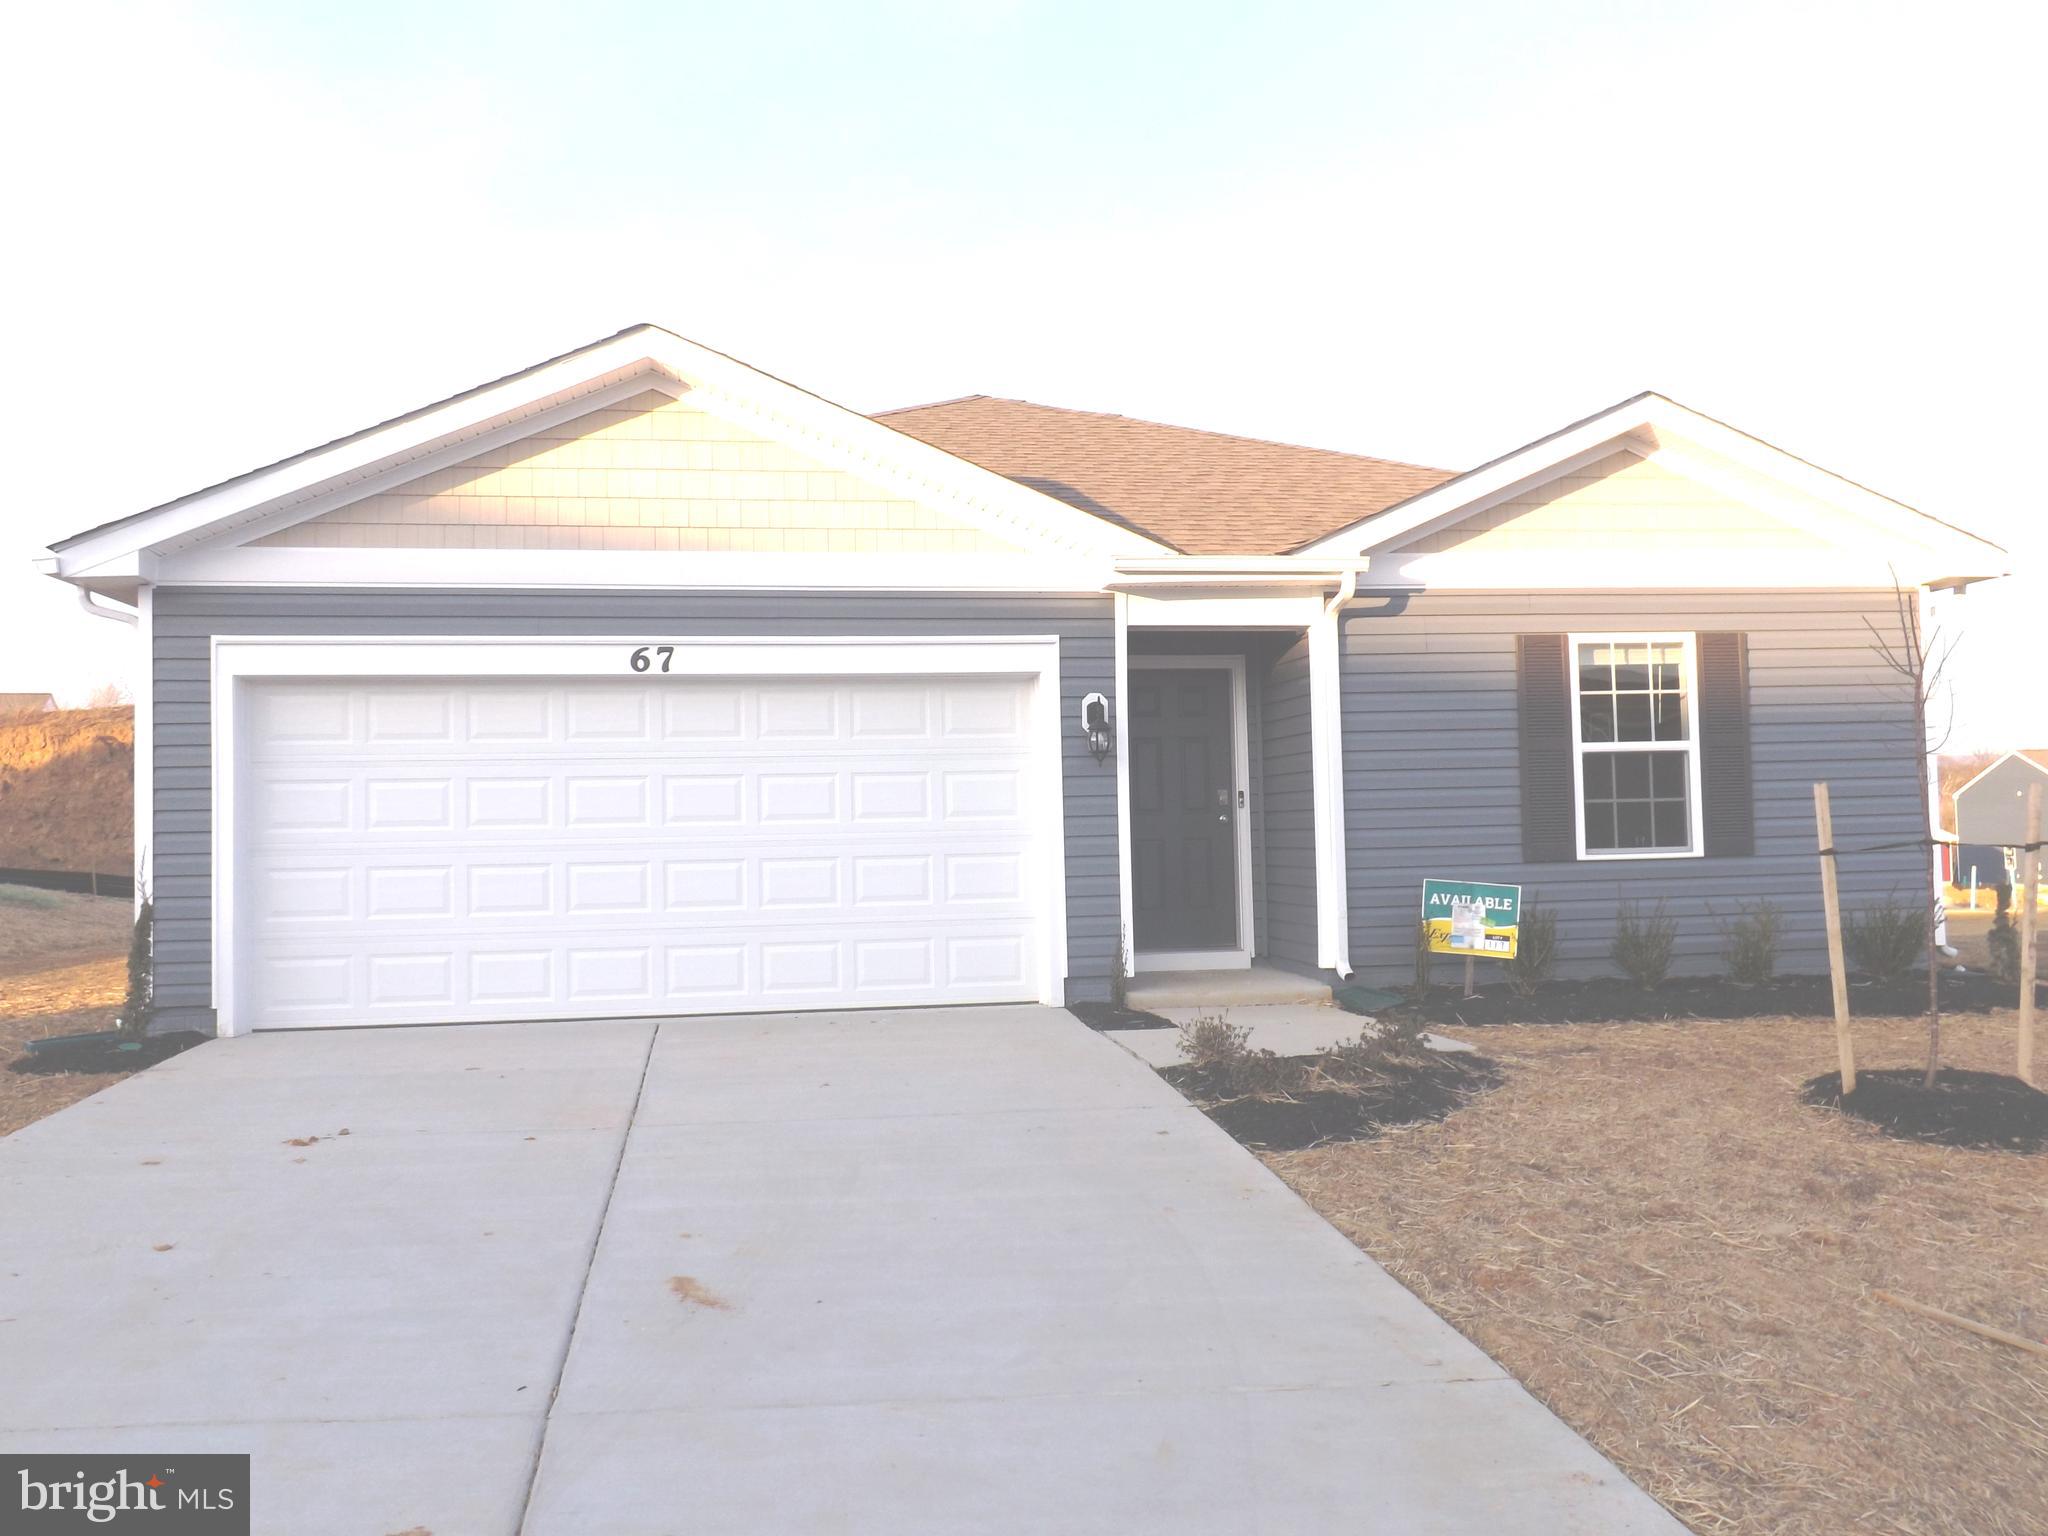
x=1183, y=810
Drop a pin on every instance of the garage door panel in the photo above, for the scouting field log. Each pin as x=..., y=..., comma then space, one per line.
x=508, y=850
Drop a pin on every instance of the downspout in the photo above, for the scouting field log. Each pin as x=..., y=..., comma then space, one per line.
x=144, y=808
x=86, y=600
x=1326, y=766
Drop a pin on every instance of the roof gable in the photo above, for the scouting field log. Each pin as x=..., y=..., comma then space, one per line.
x=1741, y=468
x=1204, y=493
x=460, y=428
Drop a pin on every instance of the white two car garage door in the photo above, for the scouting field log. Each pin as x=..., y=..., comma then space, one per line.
x=412, y=851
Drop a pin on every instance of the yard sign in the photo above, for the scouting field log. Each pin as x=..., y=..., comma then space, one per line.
x=1468, y=917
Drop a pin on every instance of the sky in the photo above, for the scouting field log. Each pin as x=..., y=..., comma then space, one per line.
x=1424, y=232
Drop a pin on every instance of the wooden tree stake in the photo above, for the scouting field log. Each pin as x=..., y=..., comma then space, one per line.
x=2016, y=1340
x=2030, y=874
x=1838, y=970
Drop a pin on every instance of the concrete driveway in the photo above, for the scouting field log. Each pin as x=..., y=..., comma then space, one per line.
x=961, y=1270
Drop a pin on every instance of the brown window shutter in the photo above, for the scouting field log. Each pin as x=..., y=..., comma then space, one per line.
x=1727, y=800
x=1549, y=831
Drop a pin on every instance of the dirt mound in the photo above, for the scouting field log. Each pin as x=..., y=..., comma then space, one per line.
x=67, y=791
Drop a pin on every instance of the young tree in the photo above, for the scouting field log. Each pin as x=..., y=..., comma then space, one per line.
x=1919, y=655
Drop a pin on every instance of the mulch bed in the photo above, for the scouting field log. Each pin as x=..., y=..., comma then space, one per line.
x=1109, y=1016
x=104, y=1054
x=1612, y=1000
x=1962, y=1109
x=1646, y=1228
x=1406, y=1095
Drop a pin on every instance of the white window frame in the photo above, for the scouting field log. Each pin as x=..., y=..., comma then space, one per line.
x=1689, y=673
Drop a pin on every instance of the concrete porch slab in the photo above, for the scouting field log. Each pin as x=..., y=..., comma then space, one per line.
x=1156, y=991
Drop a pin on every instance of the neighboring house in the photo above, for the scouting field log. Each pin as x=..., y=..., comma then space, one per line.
x=1991, y=809
x=640, y=682
x=15, y=705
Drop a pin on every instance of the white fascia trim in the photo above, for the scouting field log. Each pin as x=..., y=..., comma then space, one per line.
x=640, y=569
x=1326, y=768
x=291, y=511
x=1255, y=567
x=1640, y=425
x=459, y=427
x=645, y=357
x=1598, y=569
x=1193, y=609
x=237, y=659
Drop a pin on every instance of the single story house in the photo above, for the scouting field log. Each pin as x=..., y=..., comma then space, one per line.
x=15, y=706
x=642, y=682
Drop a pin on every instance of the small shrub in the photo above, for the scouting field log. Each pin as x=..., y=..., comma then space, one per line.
x=2004, y=943
x=1535, y=950
x=1885, y=940
x=1382, y=1046
x=1221, y=1051
x=140, y=1002
x=1751, y=943
x=1643, y=944
x=1421, y=988
x=1120, y=977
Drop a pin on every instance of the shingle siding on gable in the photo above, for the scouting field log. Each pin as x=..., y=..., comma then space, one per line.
x=1432, y=779
x=652, y=473
x=187, y=619
x=1624, y=502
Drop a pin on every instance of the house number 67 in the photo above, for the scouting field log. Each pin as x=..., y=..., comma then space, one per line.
x=643, y=658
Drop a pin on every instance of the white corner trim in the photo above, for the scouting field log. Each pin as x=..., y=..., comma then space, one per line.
x=1239, y=955
x=239, y=659
x=1689, y=685
x=1326, y=766
x=1127, y=933
x=145, y=744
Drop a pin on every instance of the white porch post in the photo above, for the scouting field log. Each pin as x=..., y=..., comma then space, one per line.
x=1326, y=759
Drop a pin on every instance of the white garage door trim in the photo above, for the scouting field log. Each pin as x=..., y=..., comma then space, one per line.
x=240, y=659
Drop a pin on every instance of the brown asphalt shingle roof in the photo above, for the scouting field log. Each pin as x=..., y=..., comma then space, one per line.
x=1203, y=493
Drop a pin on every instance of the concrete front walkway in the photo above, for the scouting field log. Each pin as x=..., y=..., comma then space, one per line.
x=963, y=1270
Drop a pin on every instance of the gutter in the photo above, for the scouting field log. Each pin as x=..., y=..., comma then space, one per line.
x=1150, y=574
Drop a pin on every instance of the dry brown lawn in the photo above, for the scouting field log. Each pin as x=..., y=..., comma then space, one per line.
x=63, y=970
x=1648, y=1229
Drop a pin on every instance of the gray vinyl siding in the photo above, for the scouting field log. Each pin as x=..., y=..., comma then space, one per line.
x=186, y=620
x=1288, y=811
x=1430, y=768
